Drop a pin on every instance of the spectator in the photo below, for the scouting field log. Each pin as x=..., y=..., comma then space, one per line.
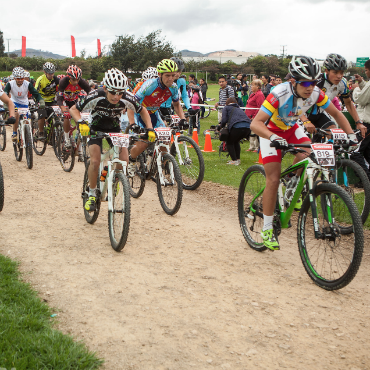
x=225, y=92
x=195, y=99
x=289, y=78
x=278, y=80
x=193, y=79
x=337, y=103
x=203, y=90
x=238, y=125
x=130, y=83
x=237, y=85
x=350, y=83
x=245, y=90
x=361, y=96
x=265, y=85
x=255, y=101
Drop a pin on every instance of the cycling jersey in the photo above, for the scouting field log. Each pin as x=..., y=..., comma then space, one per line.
x=284, y=107
x=331, y=90
x=47, y=88
x=181, y=83
x=138, y=85
x=152, y=94
x=69, y=92
x=105, y=116
x=19, y=94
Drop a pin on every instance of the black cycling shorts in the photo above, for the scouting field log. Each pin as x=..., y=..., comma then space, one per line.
x=319, y=120
x=99, y=141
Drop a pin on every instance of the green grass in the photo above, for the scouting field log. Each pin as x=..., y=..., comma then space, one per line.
x=28, y=339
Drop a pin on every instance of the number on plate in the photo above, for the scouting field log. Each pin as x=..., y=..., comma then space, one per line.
x=164, y=134
x=121, y=140
x=324, y=154
x=338, y=135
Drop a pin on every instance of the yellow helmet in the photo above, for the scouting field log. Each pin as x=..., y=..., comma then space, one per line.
x=167, y=65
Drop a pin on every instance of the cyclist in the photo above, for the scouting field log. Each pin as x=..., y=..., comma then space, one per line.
x=18, y=89
x=281, y=109
x=151, y=95
x=6, y=100
x=47, y=86
x=148, y=74
x=181, y=84
x=69, y=89
x=333, y=84
x=105, y=105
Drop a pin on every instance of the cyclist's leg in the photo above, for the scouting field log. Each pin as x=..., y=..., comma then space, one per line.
x=139, y=147
x=93, y=172
x=15, y=125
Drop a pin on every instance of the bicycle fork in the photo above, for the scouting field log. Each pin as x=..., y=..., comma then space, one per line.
x=181, y=162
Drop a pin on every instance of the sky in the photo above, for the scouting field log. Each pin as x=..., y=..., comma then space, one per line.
x=308, y=27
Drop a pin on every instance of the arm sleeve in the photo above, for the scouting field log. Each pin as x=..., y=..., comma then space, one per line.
x=225, y=116
x=323, y=101
x=231, y=92
x=131, y=102
x=185, y=96
x=34, y=92
x=270, y=104
x=88, y=103
x=363, y=96
x=38, y=84
x=7, y=88
x=63, y=83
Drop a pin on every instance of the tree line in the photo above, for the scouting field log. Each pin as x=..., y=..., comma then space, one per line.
x=135, y=55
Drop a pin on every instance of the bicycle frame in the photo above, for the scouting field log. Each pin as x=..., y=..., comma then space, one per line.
x=307, y=175
x=24, y=120
x=178, y=153
x=157, y=158
x=109, y=178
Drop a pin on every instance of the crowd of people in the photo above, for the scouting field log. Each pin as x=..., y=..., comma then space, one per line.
x=272, y=110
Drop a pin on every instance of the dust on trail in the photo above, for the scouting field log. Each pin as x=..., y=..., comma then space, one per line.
x=186, y=291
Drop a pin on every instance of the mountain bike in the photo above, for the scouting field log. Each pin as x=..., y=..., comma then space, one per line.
x=329, y=230
x=113, y=187
x=66, y=154
x=52, y=130
x=24, y=137
x=158, y=164
x=188, y=155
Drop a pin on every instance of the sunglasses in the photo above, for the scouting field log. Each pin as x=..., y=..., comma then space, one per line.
x=307, y=83
x=114, y=92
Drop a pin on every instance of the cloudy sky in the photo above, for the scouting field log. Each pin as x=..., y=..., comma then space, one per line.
x=311, y=27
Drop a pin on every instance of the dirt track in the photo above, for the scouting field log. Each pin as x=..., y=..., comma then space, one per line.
x=186, y=291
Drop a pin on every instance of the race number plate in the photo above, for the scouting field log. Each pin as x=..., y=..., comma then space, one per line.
x=339, y=136
x=164, y=134
x=324, y=154
x=121, y=140
x=23, y=111
x=57, y=110
x=175, y=119
x=85, y=116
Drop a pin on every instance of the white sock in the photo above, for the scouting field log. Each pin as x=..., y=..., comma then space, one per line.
x=92, y=192
x=267, y=222
x=66, y=135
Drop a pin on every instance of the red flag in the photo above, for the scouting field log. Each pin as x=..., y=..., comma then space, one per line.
x=73, y=46
x=99, y=48
x=23, y=46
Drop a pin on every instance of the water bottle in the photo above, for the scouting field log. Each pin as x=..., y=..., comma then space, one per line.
x=290, y=188
x=104, y=173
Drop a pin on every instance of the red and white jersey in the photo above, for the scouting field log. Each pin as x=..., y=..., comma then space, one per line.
x=19, y=94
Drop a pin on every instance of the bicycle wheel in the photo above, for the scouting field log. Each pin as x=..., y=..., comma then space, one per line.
x=119, y=218
x=28, y=144
x=85, y=150
x=137, y=181
x=250, y=206
x=207, y=110
x=90, y=217
x=170, y=194
x=332, y=260
x=66, y=156
x=17, y=146
x=2, y=137
x=1, y=189
x=349, y=173
x=38, y=146
x=192, y=169
x=57, y=131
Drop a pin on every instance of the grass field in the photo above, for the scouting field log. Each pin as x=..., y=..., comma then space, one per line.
x=28, y=339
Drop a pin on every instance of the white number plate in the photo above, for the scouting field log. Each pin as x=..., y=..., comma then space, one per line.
x=121, y=140
x=57, y=109
x=175, y=119
x=85, y=116
x=23, y=111
x=324, y=154
x=338, y=135
x=164, y=134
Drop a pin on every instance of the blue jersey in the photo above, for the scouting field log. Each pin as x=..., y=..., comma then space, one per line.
x=152, y=94
x=181, y=83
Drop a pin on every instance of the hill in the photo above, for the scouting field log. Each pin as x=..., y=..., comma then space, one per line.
x=224, y=53
x=38, y=53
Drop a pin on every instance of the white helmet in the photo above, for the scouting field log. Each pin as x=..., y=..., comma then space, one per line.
x=114, y=79
x=303, y=67
x=26, y=74
x=18, y=72
x=151, y=72
x=49, y=67
x=11, y=77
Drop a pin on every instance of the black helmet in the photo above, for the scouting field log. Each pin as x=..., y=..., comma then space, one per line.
x=336, y=62
x=179, y=62
x=304, y=68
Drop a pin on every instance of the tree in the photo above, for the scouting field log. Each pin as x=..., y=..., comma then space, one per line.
x=2, y=45
x=123, y=50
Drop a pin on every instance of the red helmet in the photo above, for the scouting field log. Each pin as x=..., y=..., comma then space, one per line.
x=74, y=71
x=61, y=76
